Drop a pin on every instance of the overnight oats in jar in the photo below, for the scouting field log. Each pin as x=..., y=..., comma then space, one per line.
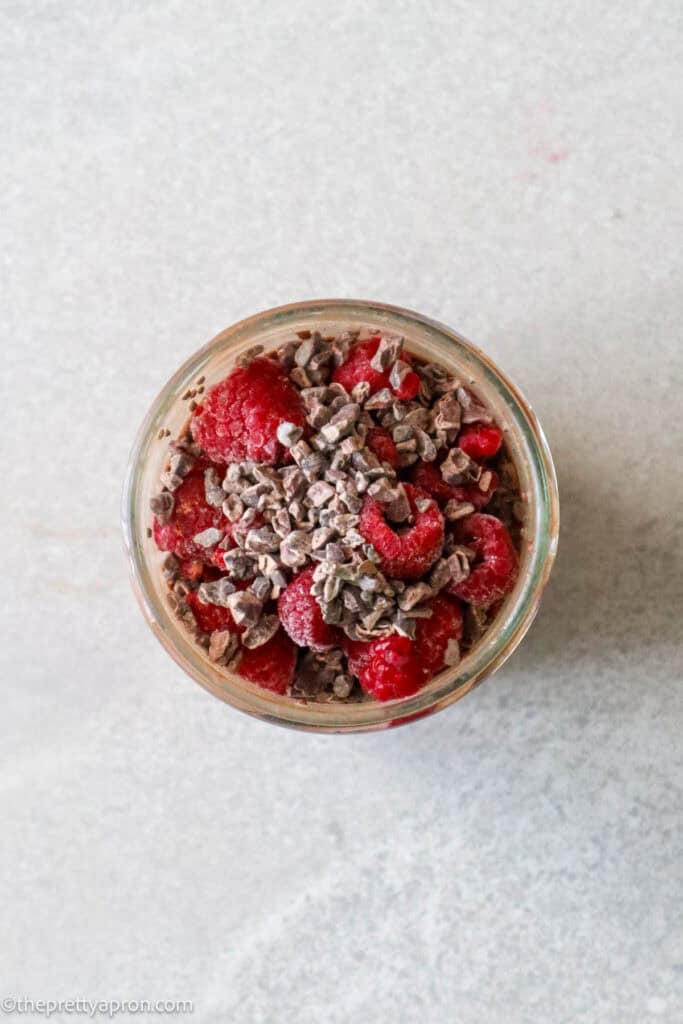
x=340, y=516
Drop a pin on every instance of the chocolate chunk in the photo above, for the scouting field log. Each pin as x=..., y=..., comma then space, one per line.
x=452, y=653
x=281, y=523
x=360, y=392
x=293, y=482
x=245, y=607
x=398, y=509
x=342, y=685
x=222, y=642
x=380, y=400
x=440, y=575
x=261, y=632
x=472, y=409
x=299, y=377
x=295, y=548
x=425, y=447
x=399, y=372
x=162, y=506
x=454, y=510
x=306, y=350
x=261, y=586
x=448, y=413
x=213, y=491
x=209, y=538
x=170, y=567
x=262, y=541
x=459, y=468
x=286, y=353
x=300, y=450
x=458, y=565
x=217, y=592
x=289, y=433
x=239, y=565
x=320, y=493
x=249, y=356
x=388, y=351
x=414, y=595
x=233, y=508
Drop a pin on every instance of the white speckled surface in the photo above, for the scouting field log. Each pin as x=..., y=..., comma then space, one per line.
x=512, y=170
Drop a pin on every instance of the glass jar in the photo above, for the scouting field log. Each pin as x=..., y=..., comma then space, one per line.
x=432, y=341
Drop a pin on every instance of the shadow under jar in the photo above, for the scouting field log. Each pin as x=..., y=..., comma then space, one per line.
x=432, y=342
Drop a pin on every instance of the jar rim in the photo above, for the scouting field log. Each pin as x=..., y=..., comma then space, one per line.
x=507, y=629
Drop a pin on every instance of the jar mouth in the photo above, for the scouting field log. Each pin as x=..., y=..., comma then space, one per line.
x=527, y=446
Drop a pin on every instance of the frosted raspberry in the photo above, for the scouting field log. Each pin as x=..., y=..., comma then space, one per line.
x=496, y=565
x=191, y=515
x=380, y=442
x=240, y=415
x=428, y=476
x=270, y=666
x=407, y=550
x=390, y=668
x=357, y=653
x=301, y=617
x=480, y=440
x=358, y=367
x=395, y=666
x=432, y=635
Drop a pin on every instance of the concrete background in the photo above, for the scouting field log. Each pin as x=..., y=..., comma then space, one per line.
x=514, y=170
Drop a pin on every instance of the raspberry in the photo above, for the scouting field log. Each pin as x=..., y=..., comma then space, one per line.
x=395, y=666
x=357, y=368
x=495, y=567
x=379, y=441
x=357, y=653
x=271, y=665
x=427, y=476
x=406, y=551
x=301, y=616
x=390, y=668
x=191, y=515
x=211, y=616
x=480, y=440
x=241, y=414
x=433, y=634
